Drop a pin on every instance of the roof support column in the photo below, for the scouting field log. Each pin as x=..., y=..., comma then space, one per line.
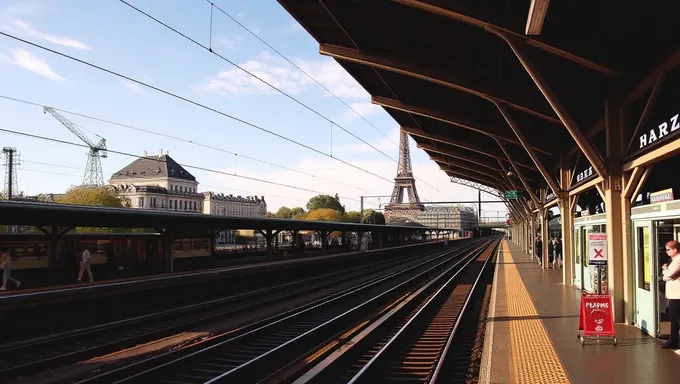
x=618, y=270
x=581, y=140
x=534, y=157
x=545, y=235
x=567, y=218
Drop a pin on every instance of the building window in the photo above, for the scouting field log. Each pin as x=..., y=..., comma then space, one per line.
x=185, y=205
x=140, y=202
x=175, y=204
x=153, y=201
x=195, y=206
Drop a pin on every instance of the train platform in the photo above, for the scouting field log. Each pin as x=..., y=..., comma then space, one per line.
x=531, y=334
x=18, y=297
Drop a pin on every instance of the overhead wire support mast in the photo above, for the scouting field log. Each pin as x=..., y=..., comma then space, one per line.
x=93, y=169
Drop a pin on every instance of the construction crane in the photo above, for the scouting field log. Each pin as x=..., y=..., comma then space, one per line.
x=93, y=168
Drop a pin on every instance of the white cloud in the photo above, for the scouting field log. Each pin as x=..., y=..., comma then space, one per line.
x=134, y=87
x=293, y=27
x=365, y=109
x=228, y=42
x=26, y=60
x=284, y=76
x=27, y=29
x=388, y=145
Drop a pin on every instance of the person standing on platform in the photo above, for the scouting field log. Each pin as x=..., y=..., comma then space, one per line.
x=557, y=250
x=6, y=266
x=85, y=265
x=539, y=250
x=671, y=275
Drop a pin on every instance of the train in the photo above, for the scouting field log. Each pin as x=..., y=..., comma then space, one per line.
x=30, y=251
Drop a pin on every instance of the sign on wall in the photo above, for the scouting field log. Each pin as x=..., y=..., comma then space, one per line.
x=597, y=248
x=662, y=132
x=661, y=196
x=585, y=174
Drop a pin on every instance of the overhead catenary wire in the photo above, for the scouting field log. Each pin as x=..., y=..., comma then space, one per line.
x=213, y=5
x=122, y=125
x=190, y=101
x=81, y=169
x=200, y=168
x=209, y=49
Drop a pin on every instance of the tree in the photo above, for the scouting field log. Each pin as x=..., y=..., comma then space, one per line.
x=353, y=217
x=91, y=195
x=298, y=213
x=325, y=201
x=325, y=214
x=284, y=213
x=270, y=215
x=373, y=217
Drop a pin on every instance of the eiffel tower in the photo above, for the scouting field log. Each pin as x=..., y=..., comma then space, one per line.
x=404, y=182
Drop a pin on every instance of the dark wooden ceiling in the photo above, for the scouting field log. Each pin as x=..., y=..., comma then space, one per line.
x=439, y=70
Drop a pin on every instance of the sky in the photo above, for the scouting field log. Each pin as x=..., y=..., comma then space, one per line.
x=216, y=144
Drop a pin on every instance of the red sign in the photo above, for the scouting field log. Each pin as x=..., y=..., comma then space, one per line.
x=596, y=317
x=508, y=221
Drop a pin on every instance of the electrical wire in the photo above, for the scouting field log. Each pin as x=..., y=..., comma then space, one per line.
x=190, y=101
x=209, y=49
x=81, y=169
x=296, y=66
x=182, y=140
x=51, y=139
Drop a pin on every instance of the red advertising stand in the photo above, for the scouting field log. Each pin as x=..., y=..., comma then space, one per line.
x=596, y=318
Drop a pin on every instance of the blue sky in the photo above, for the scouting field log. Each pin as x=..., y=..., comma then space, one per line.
x=110, y=34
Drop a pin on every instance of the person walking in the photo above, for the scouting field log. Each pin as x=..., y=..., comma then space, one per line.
x=539, y=250
x=6, y=266
x=671, y=275
x=85, y=265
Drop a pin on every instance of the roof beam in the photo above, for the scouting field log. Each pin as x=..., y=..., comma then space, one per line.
x=457, y=155
x=461, y=165
x=446, y=140
x=481, y=180
x=537, y=11
x=464, y=156
x=473, y=184
x=444, y=79
x=586, y=146
x=515, y=128
x=519, y=173
x=467, y=173
x=460, y=121
x=531, y=41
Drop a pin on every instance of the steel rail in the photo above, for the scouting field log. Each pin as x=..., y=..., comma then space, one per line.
x=153, y=365
x=374, y=362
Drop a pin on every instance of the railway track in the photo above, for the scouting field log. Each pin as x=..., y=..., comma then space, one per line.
x=409, y=343
x=38, y=354
x=256, y=351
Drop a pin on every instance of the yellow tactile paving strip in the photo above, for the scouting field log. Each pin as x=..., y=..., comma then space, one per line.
x=534, y=358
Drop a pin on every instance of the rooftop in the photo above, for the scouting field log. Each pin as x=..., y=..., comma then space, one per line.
x=160, y=166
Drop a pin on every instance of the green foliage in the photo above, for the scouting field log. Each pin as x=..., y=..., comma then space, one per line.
x=298, y=213
x=284, y=213
x=373, y=217
x=325, y=214
x=353, y=217
x=91, y=195
x=325, y=201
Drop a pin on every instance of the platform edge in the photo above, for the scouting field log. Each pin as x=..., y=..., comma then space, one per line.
x=485, y=364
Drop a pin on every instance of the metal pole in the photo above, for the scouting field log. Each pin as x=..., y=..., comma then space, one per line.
x=10, y=169
x=361, y=217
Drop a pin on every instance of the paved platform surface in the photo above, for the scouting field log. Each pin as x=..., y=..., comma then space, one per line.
x=531, y=334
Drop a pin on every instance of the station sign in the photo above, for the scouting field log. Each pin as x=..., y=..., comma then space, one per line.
x=512, y=195
x=597, y=248
x=664, y=131
x=585, y=174
x=661, y=196
x=550, y=197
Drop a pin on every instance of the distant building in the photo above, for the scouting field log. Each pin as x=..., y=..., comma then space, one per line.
x=451, y=217
x=158, y=182
x=229, y=205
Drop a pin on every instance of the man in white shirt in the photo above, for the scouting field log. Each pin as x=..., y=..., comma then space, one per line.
x=85, y=265
x=671, y=275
